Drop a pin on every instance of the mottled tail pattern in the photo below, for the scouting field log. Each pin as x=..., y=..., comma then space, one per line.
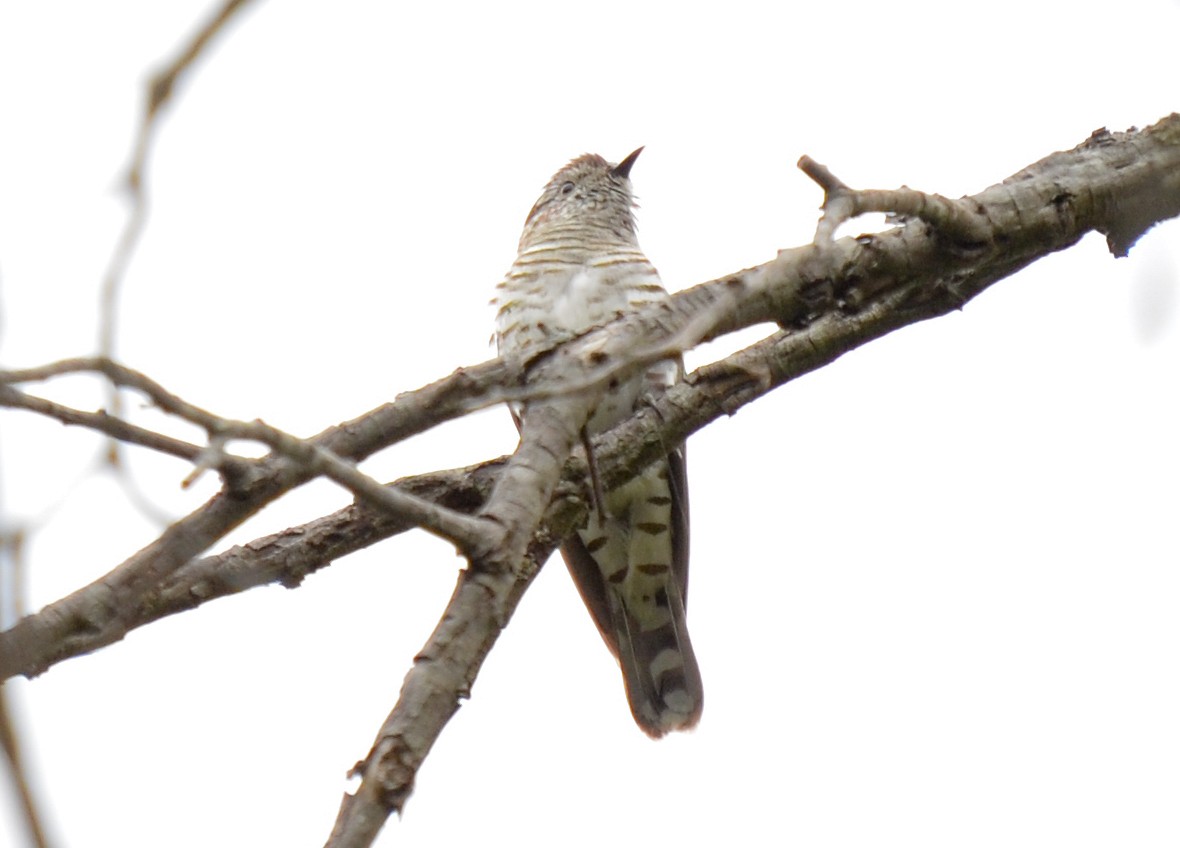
x=659, y=670
x=632, y=572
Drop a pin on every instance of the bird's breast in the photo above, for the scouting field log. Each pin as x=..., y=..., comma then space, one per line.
x=584, y=297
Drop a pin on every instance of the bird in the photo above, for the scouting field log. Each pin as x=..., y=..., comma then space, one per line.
x=579, y=266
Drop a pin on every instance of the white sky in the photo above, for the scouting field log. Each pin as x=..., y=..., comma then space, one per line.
x=934, y=585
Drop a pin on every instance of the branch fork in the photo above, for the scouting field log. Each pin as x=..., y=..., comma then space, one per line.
x=960, y=220
x=507, y=516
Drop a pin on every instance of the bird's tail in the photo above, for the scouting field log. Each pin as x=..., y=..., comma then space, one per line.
x=660, y=670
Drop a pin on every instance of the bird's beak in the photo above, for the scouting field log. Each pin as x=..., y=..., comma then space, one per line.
x=623, y=169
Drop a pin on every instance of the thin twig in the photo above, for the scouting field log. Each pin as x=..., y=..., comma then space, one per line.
x=101, y=422
x=160, y=91
x=12, y=569
x=469, y=534
x=10, y=743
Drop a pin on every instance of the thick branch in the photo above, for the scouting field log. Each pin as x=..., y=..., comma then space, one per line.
x=920, y=273
x=898, y=277
x=829, y=297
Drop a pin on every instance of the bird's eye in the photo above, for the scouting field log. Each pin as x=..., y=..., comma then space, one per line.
x=567, y=188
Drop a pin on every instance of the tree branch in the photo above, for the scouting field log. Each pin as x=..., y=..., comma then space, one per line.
x=828, y=297
x=842, y=293
x=469, y=534
x=161, y=89
x=868, y=297
x=100, y=422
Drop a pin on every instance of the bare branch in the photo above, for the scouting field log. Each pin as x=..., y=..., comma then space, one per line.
x=843, y=294
x=160, y=90
x=100, y=422
x=468, y=533
x=829, y=297
x=119, y=376
x=868, y=298
x=287, y=557
x=958, y=219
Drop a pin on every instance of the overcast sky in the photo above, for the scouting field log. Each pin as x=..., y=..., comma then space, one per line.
x=934, y=585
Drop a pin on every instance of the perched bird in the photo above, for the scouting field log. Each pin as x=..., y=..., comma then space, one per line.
x=579, y=266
